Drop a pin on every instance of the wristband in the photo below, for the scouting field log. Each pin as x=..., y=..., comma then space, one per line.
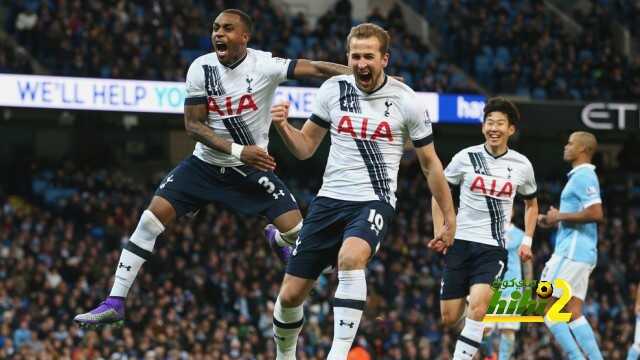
x=526, y=240
x=236, y=150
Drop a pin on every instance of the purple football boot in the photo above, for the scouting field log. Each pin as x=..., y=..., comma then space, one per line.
x=283, y=252
x=109, y=312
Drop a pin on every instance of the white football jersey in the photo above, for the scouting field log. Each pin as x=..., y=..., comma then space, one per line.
x=488, y=185
x=239, y=99
x=368, y=133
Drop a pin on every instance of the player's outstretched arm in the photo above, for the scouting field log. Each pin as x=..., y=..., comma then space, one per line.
x=432, y=169
x=530, y=220
x=320, y=69
x=194, y=123
x=302, y=143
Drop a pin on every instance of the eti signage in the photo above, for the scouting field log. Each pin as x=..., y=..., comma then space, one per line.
x=55, y=92
x=611, y=116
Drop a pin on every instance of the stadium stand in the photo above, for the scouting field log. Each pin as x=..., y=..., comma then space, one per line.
x=132, y=40
x=519, y=47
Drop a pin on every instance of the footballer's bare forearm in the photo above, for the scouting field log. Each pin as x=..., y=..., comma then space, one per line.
x=331, y=69
x=439, y=187
x=530, y=216
x=295, y=140
x=194, y=124
x=436, y=215
x=319, y=69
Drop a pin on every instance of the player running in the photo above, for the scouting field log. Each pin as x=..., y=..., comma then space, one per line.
x=369, y=116
x=489, y=176
x=229, y=94
x=575, y=253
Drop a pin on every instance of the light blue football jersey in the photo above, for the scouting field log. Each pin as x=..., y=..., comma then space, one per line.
x=579, y=241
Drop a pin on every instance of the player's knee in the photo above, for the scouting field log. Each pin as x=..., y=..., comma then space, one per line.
x=289, y=297
x=449, y=318
x=351, y=261
x=477, y=310
x=162, y=210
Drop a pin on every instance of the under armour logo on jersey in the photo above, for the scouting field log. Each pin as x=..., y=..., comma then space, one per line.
x=349, y=324
x=349, y=104
x=166, y=181
x=249, y=80
x=128, y=267
x=388, y=104
x=278, y=194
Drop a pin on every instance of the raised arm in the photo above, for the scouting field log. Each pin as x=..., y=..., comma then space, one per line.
x=302, y=143
x=320, y=69
x=432, y=170
x=195, y=117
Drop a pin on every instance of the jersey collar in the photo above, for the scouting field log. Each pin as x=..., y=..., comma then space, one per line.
x=237, y=63
x=581, y=166
x=378, y=88
x=484, y=146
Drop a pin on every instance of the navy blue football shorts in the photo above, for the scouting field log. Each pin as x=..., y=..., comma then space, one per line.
x=328, y=223
x=468, y=263
x=244, y=189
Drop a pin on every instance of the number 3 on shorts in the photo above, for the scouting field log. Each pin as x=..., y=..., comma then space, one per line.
x=376, y=220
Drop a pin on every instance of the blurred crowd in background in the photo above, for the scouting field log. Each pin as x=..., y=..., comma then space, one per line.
x=211, y=285
x=506, y=46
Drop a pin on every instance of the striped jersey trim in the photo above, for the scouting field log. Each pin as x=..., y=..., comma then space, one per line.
x=349, y=98
x=376, y=167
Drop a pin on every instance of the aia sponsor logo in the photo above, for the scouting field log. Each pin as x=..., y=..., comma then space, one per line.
x=365, y=131
x=495, y=187
x=227, y=107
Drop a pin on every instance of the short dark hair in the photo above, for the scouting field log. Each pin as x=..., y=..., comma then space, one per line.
x=246, y=19
x=367, y=30
x=504, y=106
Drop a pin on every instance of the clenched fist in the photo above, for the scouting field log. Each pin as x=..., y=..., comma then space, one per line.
x=280, y=113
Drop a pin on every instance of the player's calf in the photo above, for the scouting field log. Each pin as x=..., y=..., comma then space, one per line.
x=350, y=297
x=452, y=311
x=288, y=315
x=470, y=338
x=135, y=253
